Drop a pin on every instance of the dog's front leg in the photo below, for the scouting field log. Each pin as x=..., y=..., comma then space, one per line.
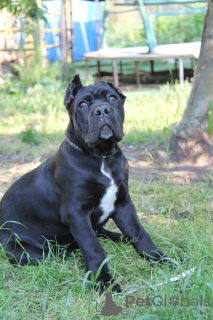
x=127, y=221
x=93, y=253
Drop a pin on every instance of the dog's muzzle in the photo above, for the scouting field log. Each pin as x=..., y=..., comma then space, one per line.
x=106, y=132
x=103, y=113
x=104, y=124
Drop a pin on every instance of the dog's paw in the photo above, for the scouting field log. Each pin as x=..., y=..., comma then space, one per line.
x=158, y=257
x=116, y=288
x=155, y=256
x=124, y=239
x=102, y=285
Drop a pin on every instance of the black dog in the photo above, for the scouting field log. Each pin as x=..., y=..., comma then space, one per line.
x=76, y=191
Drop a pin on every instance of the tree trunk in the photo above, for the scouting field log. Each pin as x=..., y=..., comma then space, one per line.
x=190, y=142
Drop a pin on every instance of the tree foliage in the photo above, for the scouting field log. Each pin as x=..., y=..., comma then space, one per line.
x=27, y=10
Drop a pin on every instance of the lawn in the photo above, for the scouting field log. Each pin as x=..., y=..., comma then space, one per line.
x=178, y=216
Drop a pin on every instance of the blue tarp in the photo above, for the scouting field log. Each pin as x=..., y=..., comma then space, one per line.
x=84, y=31
x=84, y=27
x=49, y=37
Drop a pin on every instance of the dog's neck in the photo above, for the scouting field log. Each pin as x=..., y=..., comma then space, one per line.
x=73, y=145
x=103, y=149
x=106, y=148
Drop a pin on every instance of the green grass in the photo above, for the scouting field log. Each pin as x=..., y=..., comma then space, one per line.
x=167, y=29
x=150, y=116
x=55, y=288
x=178, y=217
x=39, y=116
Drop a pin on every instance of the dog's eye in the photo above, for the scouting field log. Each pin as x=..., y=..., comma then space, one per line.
x=112, y=98
x=83, y=104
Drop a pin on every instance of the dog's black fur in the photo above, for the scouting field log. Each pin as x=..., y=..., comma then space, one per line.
x=61, y=200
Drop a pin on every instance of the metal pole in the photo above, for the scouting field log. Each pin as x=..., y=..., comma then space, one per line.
x=97, y=35
x=105, y=22
x=72, y=28
x=97, y=25
x=63, y=38
x=181, y=72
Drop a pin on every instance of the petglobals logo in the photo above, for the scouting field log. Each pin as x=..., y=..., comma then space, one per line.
x=111, y=309
x=159, y=301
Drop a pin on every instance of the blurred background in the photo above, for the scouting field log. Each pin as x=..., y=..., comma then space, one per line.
x=41, y=35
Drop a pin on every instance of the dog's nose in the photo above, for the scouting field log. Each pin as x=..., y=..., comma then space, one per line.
x=101, y=111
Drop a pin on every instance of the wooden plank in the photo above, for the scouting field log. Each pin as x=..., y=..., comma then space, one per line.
x=49, y=46
x=115, y=73
x=160, y=2
x=137, y=73
x=68, y=30
x=97, y=25
x=181, y=72
x=121, y=68
x=86, y=68
x=54, y=13
x=135, y=57
x=51, y=30
x=152, y=67
x=98, y=69
x=63, y=39
x=15, y=50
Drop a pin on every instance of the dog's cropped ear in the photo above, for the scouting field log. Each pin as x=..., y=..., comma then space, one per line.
x=74, y=86
x=117, y=90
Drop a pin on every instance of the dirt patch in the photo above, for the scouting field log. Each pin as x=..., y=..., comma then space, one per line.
x=147, y=164
x=11, y=171
x=152, y=163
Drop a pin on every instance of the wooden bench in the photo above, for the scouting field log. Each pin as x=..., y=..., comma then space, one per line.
x=115, y=55
x=140, y=5
x=152, y=51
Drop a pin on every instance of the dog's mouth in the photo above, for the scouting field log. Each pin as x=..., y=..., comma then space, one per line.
x=106, y=132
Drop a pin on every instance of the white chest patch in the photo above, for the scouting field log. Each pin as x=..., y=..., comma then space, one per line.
x=108, y=200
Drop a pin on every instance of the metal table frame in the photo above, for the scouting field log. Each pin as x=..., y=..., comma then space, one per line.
x=136, y=58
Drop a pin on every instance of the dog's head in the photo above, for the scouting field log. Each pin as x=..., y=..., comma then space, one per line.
x=96, y=111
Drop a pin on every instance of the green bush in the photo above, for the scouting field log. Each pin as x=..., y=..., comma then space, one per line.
x=180, y=28
x=127, y=29
x=210, y=126
x=31, y=136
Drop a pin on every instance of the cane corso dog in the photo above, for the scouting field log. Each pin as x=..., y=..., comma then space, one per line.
x=70, y=196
